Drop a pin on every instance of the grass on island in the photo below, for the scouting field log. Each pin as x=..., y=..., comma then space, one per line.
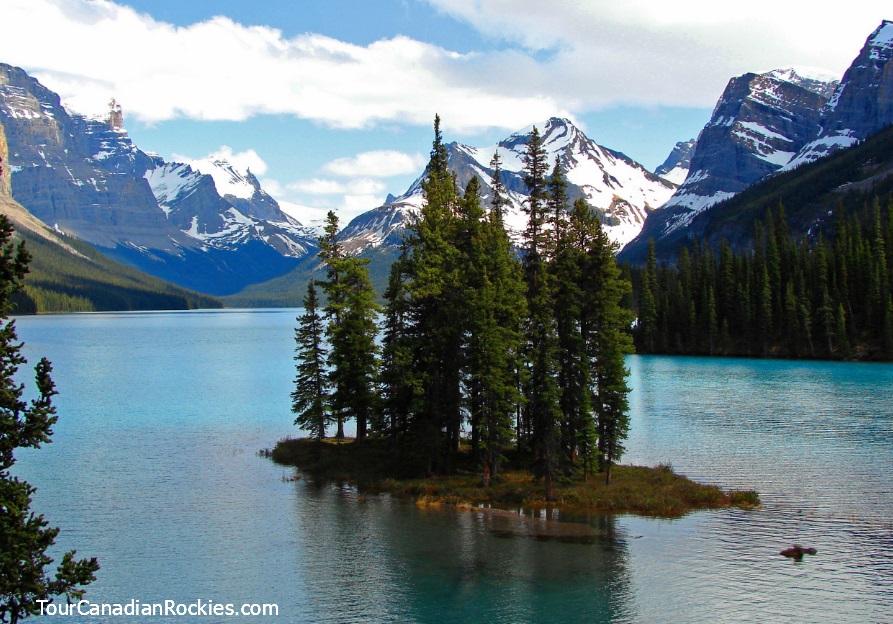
x=372, y=465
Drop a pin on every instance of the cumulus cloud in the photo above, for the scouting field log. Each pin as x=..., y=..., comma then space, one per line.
x=318, y=186
x=242, y=161
x=557, y=58
x=221, y=70
x=602, y=52
x=378, y=163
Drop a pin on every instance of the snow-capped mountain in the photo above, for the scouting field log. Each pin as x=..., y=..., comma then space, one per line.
x=622, y=191
x=224, y=208
x=206, y=226
x=675, y=167
x=862, y=103
x=759, y=123
x=767, y=123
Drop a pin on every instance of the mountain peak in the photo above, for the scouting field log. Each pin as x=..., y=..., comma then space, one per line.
x=812, y=79
x=882, y=37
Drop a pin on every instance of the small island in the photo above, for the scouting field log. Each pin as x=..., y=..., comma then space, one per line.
x=374, y=467
x=494, y=375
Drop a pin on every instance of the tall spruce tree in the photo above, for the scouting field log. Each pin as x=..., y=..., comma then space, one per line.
x=398, y=380
x=606, y=333
x=353, y=354
x=25, y=537
x=437, y=311
x=311, y=396
x=351, y=310
x=494, y=292
x=567, y=267
x=541, y=392
x=332, y=254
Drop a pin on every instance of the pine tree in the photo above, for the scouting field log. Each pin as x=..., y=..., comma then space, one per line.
x=310, y=399
x=25, y=537
x=398, y=379
x=332, y=254
x=353, y=355
x=605, y=324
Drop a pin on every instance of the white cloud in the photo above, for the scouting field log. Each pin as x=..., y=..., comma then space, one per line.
x=379, y=164
x=242, y=161
x=601, y=52
x=221, y=70
x=311, y=199
x=309, y=207
x=318, y=186
x=564, y=57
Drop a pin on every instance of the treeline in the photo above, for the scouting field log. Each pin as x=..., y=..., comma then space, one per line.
x=783, y=298
x=60, y=281
x=477, y=348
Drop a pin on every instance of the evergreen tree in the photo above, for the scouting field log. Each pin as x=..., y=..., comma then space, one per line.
x=310, y=399
x=25, y=537
x=353, y=355
x=398, y=380
x=498, y=202
x=351, y=310
x=332, y=254
x=494, y=292
x=438, y=315
x=542, y=392
x=605, y=333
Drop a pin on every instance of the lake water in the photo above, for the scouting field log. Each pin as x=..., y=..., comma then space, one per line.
x=154, y=470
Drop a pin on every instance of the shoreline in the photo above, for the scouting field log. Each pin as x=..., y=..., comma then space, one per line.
x=646, y=491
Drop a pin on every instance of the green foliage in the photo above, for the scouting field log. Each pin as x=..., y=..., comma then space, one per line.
x=86, y=281
x=311, y=397
x=480, y=347
x=787, y=297
x=25, y=537
x=351, y=310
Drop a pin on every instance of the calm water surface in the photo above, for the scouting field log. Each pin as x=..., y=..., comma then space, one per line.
x=154, y=470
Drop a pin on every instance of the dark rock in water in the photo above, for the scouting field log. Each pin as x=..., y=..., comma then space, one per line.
x=797, y=551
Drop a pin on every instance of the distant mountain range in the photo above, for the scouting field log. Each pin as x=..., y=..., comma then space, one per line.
x=208, y=226
x=68, y=275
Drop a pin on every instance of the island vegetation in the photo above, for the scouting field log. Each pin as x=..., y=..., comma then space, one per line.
x=497, y=376
x=374, y=466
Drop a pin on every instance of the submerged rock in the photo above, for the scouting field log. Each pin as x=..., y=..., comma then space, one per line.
x=797, y=551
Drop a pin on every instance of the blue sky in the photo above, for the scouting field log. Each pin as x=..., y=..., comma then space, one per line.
x=331, y=102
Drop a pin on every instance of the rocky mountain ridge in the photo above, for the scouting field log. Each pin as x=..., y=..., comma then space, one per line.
x=85, y=177
x=619, y=189
x=765, y=124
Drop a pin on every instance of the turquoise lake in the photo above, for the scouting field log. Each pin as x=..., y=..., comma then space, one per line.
x=154, y=469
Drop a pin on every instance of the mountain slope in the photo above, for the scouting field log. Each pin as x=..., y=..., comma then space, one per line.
x=862, y=104
x=675, y=168
x=759, y=123
x=69, y=275
x=85, y=177
x=813, y=195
